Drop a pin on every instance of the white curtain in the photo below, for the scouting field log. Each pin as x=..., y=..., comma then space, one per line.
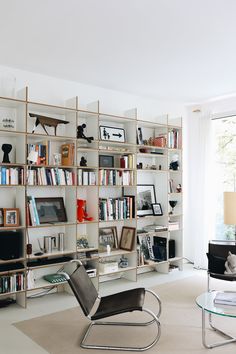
x=199, y=200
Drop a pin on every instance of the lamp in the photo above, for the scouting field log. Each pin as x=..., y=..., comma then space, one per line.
x=230, y=209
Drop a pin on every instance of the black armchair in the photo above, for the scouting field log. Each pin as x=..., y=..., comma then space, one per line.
x=96, y=308
x=217, y=256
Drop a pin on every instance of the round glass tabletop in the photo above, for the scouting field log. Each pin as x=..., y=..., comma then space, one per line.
x=206, y=302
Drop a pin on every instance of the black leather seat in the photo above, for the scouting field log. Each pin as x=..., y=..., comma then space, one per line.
x=217, y=256
x=96, y=308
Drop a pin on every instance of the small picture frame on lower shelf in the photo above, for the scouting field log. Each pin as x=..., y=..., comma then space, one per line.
x=157, y=209
x=11, y=217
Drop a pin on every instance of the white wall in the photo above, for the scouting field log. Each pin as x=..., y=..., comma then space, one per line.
x=55, y=91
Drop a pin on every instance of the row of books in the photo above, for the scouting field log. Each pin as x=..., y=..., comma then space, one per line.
x=31, y=212
x=127, y=161
x=86, y=177
x=116, y=178
x=43, y=152
x=50, y=177
x=11, y=175
x=174, y=139
x=11, y=283
x=116, y=208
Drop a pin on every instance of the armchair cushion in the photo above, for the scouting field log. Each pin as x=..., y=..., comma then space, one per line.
x=130, y=300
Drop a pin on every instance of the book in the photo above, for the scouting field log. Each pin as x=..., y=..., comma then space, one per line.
x=225, y=298
x=67, y=154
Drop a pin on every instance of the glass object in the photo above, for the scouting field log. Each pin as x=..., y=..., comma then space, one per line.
x=173, y=205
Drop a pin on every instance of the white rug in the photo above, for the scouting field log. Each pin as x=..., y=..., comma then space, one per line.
x=60, y=333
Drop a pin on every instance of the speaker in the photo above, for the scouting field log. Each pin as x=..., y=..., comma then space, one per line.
x=160, y=248
x=11, y=245
x=171, y=248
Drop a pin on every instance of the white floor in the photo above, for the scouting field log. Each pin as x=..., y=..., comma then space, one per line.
x=12, y=341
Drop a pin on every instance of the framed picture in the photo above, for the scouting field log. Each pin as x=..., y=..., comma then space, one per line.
x=139, y=136
x=112, y=134
x=1, y=217
x=157, y=209
x=127, y=238
x=51, y=210
x=145, y=198
x=11, y=216
x=108, y=236
x=57, y=159
x=106, y=161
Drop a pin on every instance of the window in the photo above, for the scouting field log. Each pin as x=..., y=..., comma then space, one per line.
x=224, y=140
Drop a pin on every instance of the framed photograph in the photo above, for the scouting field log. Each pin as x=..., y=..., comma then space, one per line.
x=145, y=198
x=57, y=159
x=1, y=217
x=108, y=236
x=106, y=161
x=112, y=134
x=139, y=136
x=157, y=209
x=51, y=210
x=11, y=216
x=127, y=238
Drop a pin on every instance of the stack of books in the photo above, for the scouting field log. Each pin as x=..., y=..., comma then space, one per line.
x=173, y=225
x=225, y=298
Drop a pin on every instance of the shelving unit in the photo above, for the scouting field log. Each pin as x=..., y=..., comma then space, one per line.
x=92, y=183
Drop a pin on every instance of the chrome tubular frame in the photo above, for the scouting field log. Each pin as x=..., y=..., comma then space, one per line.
x=108, y=347
x=218, y=344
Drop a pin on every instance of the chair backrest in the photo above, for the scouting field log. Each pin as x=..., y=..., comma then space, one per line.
x=217, y=255
x=83, y=288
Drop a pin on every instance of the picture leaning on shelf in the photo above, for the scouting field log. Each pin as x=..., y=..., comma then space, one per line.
x=46, y=210
x=146, y=196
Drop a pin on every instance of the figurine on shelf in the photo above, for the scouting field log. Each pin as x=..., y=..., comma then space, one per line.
x=83, y=162
x=6, y=148
x=81, y=213
x=174, y=164
x=179, y=188
x=80, y=133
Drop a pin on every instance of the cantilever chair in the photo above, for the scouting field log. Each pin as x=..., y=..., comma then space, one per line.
x=217, y=255
x=97, y=308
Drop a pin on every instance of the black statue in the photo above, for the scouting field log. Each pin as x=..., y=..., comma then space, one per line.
x=174, y=165
x=80, y=133
x=6, y=148
x=83, y=161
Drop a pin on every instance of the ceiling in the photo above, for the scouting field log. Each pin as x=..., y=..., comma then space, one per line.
x=182, y=50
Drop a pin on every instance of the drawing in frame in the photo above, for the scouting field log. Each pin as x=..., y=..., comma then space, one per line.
x=106, y=161
x=145, y=198
x=127, y=238
x=157, y=209
x=1, y=217
x=107, y=237
x=139, y=136
x=11, y=217
x=51, y=210
x=112, y=134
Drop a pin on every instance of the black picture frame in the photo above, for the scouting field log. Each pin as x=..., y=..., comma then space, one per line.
x=157, y=209
x=146, y=196
x=115, y=134
x=51, y=210
x=106, y=161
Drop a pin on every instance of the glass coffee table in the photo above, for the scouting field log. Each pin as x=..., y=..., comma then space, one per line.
x=206, y=302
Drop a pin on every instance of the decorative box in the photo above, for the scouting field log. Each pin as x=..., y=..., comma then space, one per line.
x=108, y=267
